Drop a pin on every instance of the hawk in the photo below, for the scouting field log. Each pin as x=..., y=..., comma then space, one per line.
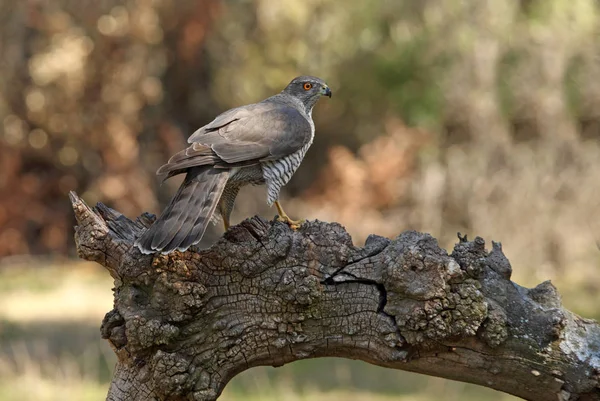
x=258, y=144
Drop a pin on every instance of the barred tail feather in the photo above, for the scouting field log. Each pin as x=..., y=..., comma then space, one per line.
x=184, y=220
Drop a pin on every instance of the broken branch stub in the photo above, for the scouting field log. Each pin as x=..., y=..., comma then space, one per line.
x=184, y=324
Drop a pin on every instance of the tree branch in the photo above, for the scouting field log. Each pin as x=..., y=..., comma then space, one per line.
x=184, y=324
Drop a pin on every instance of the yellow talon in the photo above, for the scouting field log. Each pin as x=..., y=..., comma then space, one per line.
x=284, y=218
x=294, y=224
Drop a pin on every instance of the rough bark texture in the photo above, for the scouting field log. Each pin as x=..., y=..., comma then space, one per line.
x=185, y=324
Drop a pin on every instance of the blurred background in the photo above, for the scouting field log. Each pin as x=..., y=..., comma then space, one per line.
x=475, y=116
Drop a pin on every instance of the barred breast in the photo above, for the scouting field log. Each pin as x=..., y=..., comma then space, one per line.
x=277, y=173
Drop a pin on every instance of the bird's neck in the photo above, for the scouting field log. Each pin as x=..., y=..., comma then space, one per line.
x=294, y=102
x=309, y=107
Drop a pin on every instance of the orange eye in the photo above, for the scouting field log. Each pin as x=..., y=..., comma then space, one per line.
x=307, y=86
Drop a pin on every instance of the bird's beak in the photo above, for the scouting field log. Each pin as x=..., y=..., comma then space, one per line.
x=325, y=91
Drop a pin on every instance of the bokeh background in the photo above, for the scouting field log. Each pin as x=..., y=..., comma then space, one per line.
x=475, y=116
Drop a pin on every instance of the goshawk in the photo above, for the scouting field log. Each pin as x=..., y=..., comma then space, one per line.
x=261, y=143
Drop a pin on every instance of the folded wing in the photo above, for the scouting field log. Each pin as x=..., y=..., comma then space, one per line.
x=244, y=136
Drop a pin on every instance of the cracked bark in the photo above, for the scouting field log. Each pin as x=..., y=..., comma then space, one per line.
x=185, y=324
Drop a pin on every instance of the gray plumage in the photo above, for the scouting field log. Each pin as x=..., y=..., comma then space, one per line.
x=261, y=143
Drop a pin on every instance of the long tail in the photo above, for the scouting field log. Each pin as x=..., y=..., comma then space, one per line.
x=183, y=222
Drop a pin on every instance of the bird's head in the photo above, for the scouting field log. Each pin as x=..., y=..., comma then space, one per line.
x=308, y=90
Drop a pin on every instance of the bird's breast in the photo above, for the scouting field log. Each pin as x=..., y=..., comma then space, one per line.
x=278, y=172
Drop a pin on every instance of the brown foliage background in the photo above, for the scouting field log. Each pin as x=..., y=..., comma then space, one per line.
x=475, y=116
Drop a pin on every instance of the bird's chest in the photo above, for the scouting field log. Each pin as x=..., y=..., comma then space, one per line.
x=278, y=172
x=281, y=170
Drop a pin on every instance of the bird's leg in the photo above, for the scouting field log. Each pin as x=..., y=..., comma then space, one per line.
x=226, y=222
x=283, y=217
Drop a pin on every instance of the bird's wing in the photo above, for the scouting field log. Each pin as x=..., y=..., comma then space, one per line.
x=244, y=136
x=223, y=120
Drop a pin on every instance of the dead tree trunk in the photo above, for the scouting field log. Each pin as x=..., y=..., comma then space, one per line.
x=185, y=324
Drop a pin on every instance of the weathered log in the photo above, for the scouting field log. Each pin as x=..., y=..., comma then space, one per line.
x=184, y=324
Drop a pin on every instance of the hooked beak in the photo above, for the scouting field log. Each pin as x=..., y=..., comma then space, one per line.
x=325, y=91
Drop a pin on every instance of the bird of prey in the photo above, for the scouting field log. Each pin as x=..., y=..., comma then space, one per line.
x=261, y=143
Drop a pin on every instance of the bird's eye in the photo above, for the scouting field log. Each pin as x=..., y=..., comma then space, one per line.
x=307, y=86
